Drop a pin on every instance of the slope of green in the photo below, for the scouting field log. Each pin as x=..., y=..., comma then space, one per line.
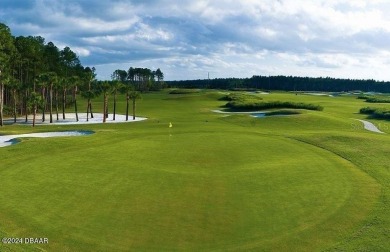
x=379, y=113
x=314, y=181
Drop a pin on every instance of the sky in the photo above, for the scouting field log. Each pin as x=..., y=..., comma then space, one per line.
x=229, y=38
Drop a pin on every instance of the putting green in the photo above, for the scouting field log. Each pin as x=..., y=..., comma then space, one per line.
x=183, y=191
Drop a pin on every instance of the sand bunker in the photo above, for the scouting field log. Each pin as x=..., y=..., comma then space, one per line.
x=71, y=119
x=370, y=126
x=8, y=140
x=316, y=94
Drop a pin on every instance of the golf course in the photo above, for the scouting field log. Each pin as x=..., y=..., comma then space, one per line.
x=189, y=178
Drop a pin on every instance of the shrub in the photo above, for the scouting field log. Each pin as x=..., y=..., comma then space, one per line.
x=184, y=91
x=380, y=113
x=241, y=97
x=242, y=102
x=367, y=110
x=245, y=105
x=377, y=100
x=282, y=112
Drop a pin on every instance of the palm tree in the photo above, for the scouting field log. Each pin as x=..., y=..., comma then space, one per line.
x=75, y=81
x=116, y=85
x=89, y=94
x=35, y=100
x=89, y=77
x=134, y=95
x=64, y=84
x=106, y=89
x=126, y=89
x=56, y=98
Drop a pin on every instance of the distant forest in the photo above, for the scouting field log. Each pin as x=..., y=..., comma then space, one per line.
x=287, y=83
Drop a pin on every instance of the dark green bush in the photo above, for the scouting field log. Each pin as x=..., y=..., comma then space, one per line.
x=380, y=113
x=377, y=100
x=245, y=105
x=367, y=110
x=374, y=99
x=282, y=112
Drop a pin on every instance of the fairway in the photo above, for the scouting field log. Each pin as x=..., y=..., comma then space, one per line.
x=213, y=182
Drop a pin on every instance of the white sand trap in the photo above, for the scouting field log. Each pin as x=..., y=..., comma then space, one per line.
x=7, y=140
x=317, y=94
x=71, y=119
x=370, y=126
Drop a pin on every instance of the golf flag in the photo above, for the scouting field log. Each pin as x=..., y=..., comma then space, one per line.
x=170, y=125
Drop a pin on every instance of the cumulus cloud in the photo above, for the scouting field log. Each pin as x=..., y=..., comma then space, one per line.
x=187, y=39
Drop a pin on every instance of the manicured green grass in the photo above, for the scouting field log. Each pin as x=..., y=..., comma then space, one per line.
x=184, y=91
x=251, y=102
x=308, y=182
x=242, y=97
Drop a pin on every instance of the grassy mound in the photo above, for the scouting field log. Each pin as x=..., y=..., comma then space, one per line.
x=380, y=113
x=184, y=91
x=241, y=97
x=378, y=100
x=363, y=97
x=248, y=102
x=186, y=195
x=374, y=99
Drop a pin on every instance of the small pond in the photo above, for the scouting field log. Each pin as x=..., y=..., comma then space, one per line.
x=259, y=114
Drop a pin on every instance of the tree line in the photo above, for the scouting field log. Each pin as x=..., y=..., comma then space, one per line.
x=37, y=76
x=287, y=83
x=131, y=83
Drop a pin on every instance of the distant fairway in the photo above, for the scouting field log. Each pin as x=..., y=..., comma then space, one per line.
x=212, y=182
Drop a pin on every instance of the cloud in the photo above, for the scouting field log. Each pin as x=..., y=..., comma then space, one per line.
x=226, y=38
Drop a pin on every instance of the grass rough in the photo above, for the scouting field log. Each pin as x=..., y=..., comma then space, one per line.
x=314, y=182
